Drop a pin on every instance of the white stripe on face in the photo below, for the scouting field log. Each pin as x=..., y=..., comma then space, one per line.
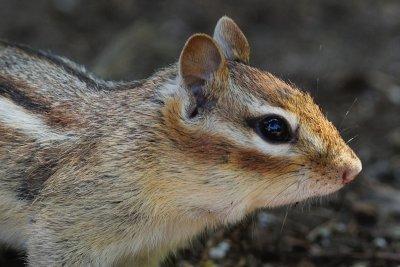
x=273, y=149
x=251, y=139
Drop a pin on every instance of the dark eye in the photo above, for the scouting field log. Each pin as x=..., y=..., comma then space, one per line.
x=274, y=129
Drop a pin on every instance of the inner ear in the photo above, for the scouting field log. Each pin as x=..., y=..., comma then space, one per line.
x=199, y=98
x=232, y=41
x=203, y=71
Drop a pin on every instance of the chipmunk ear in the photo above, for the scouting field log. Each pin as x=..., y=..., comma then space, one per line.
x=232, y=41
x=201, y=60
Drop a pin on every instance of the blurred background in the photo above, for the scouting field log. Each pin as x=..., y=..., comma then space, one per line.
x=346, y=53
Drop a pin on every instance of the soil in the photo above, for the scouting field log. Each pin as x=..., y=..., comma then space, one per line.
x=346, y=53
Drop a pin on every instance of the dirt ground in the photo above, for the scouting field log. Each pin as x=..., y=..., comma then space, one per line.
x=346, y=53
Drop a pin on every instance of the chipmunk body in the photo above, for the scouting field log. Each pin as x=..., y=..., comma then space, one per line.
x=110, y=173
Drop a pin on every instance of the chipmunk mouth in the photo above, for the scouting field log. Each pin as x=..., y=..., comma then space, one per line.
x=302, y=189
x=325, y=189
x=323, y=185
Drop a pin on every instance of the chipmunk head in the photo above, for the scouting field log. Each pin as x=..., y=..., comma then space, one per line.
x=246, y=139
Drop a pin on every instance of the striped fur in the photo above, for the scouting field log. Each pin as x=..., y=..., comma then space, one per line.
x=109, y=173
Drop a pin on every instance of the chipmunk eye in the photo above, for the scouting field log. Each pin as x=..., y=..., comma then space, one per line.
x=274, y=129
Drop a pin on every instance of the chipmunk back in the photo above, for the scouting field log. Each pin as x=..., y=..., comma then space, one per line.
x=105, y=173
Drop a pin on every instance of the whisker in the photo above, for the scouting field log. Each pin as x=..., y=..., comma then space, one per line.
x=347, y=112
x=349, y=128
x=351, y=139
x=284, y=218
x=282, y=191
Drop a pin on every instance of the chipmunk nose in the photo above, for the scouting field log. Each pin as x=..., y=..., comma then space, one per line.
x=351, y=171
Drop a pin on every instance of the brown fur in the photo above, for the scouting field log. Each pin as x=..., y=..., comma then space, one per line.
x=112, y=173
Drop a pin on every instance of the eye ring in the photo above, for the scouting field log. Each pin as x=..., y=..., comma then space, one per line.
x=273, y=129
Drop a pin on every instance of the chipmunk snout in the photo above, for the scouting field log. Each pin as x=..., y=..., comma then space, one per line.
x=350, y=172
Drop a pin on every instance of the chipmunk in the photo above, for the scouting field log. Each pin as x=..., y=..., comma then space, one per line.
x=101, y=173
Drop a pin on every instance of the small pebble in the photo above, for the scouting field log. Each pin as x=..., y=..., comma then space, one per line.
x=360, y=264
x=320, y=232
x=265, y=219
x=219, y=252
x=380, y=242
x=341, y=227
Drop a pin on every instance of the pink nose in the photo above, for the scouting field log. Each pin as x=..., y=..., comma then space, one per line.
x=351, y=172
